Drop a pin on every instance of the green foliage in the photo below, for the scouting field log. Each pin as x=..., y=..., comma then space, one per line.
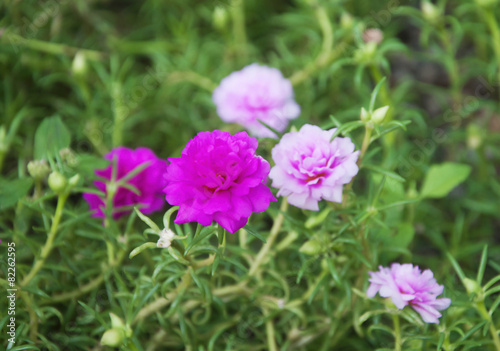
x=420, y=100
x=441, y=179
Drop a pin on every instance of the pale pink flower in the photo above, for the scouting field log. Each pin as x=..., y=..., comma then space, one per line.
x=256, y=93
x=310, y=166
x=407, y=285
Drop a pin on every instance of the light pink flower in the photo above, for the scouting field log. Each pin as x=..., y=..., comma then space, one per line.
x=407, y=285
x=256, y=93
x=309, y=167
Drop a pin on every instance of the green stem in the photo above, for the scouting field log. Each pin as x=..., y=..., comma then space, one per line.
x=192, y=77
x=240, y=37
x=388, y=139
x=275, y=230
x=384, y=93
x=49, y=47
x=495, y=33
x=271, y=339
x=2, y=158
x=111, y=252
x=119, y=114
x=50, y=241
x=33, y=317
x=366, y=143
x=484, y=313
x=397, y=332
x=326, y=54
x=453, y=71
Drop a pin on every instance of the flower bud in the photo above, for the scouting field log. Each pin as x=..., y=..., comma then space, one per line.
x=365, y=116
x=220, y=18
x=430, y=11
x=68, y=157
x=324, y=265
x=379, y=114
x=73, y=181
x=366, y=53
x=373, y=35
x=116, y=322
x=313, y=221
x=166, y=237
x=38, y=169
x=346, y=21
x=474, y=137
x=473, y=288
x=311, y=247
x=79, y=66
x=57, y=182
x=113, y=337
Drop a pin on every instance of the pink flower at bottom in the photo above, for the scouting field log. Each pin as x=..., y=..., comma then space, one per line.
x=218, y=178
x=149, y=182
x=407, y=285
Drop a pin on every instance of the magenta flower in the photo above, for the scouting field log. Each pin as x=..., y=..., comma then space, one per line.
x=256, y=93
x=149, y=183
x=309, y=167
x=407, y=285
x=218, y=178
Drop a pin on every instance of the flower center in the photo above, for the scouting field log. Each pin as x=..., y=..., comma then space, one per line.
x=316, y=176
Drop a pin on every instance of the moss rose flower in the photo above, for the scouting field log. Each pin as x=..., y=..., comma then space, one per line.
x=309, y=167
x=149, y=182
x=407, y=285
x=218, y=178
x=256, y=93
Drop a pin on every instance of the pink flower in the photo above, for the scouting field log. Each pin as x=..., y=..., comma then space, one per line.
x=149, y=182
x=256, y=93
x=309, y=167
x=407, y=285
x=218, y=178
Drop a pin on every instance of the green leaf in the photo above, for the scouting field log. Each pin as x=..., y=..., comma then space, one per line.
x=50, y=137
x=148, y=221
x=253, y=232
x=203, y=234
x=11, y=191
x=141, y=248
x=385, y=172
x=441, y=179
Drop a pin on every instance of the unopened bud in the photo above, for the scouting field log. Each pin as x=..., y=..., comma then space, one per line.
x=346, y=21
x=166, y=237
x=379, y=114
x=313, y=221
x=73, y=181
x=366, y=53
x=474, y=138
x=430, y=11
x=365, y=116
x=473, y=288
x=311, y=247
x=373, y=35
x=220, y=18
x=113, y=337
x=57, y=182
x=68, y=156
x=116, y=322
x=38, y=169
x=79, y=66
